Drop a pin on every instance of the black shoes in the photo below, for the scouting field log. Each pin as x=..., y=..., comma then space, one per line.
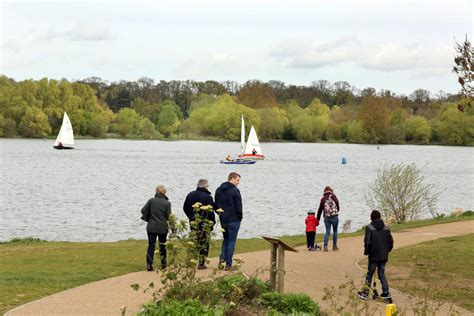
x=363, y=295
x=149, y=267
x=202, y=267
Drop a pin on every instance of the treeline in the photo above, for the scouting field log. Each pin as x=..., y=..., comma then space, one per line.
x=189, y=109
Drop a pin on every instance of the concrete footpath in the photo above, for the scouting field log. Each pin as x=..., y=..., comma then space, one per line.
x=308, y=272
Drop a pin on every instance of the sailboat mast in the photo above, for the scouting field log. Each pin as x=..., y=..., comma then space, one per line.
x=242, y=137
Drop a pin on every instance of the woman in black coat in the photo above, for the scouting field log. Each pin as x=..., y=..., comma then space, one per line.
x=156, y=212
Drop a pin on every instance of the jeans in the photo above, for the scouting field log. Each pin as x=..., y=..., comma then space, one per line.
x=151, y=248
x=310, y=239
x=380, y=265
x=328, y=222
x=228, y=244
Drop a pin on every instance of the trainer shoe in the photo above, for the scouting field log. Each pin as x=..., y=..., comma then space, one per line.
x=149, y=267
x=334, y=248
x=386, y=296
x=325, y=249
x=363, y=295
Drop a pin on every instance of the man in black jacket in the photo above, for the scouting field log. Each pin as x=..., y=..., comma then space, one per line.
x=378, y=242
x=228, y=199
x=202, y=234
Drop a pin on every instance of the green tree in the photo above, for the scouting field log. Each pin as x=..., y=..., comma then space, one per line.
x=418, y=130
x=356, y=132
x=452, y=127
x=274, y=123
x=126, y=122
x=100, y=122
x=34, y=123
x=147, y=129
x=169, y=120
x=375, y=117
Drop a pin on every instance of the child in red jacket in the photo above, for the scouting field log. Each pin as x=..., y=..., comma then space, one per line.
x=311, y=222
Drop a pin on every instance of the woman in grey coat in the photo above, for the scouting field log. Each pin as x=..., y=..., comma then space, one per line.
x=157, y=212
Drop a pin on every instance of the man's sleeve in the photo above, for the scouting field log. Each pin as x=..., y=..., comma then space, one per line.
x=238, y=205
x=188, y=208
x=367, y=241
x=390, y=241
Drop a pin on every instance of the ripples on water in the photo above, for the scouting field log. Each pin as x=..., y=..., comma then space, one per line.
x=95, y=192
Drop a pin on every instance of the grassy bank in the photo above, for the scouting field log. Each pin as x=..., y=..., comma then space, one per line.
x=439, y=269
x=31, y=269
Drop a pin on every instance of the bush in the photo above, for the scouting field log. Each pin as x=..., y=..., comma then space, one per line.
x=400, y=192
x=182, y=308
x=289, y=303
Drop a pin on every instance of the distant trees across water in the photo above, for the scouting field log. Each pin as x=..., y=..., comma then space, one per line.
x=191, y=110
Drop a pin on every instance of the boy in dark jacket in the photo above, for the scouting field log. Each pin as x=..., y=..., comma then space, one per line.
x=311, y=222
x=378, y=242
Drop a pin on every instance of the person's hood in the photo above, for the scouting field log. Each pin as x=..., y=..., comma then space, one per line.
x=226, y=186
x=327, y=192
x=203, y=190
x=378, y=224
x=161, y=195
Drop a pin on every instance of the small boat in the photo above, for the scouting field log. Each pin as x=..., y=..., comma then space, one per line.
x=250, y=150
x=65, y=139
x=238, y=162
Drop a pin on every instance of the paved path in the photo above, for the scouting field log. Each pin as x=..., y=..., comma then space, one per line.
x=308, y=272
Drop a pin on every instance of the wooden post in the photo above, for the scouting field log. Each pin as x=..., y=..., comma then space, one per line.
x=277, y=262
x=273, y=267
x=280, y=269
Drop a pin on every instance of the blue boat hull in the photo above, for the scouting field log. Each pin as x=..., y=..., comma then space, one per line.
x=238, y=162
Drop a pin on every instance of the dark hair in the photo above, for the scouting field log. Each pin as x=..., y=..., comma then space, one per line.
x=233, y=175
x=375, y=215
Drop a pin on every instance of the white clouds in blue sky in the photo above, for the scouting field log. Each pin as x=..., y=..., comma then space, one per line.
x=397, y=45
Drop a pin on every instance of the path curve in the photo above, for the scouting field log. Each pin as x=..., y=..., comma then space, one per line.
x=308, y=272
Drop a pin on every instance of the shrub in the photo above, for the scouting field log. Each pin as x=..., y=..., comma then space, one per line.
x=289, y=303
x=182, y=308
x=400, y=191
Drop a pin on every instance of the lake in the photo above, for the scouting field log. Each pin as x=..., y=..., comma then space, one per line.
x=96, y=191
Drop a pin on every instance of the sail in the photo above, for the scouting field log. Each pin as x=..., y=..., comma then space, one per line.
x=253, y=145
x=242, y=136
x=66, y=134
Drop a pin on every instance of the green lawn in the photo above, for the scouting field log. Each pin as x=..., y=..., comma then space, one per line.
x=442, y=269
x=33, y=269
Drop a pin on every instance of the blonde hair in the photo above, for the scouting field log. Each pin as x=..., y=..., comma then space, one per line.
x=328, y=189
x=160, y=189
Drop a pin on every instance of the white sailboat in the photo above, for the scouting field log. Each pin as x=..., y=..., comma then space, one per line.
x=252, y=149
x=65, y=139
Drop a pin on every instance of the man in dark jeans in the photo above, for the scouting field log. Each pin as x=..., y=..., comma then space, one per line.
x=378, y=242
x=228, y=199
x=203, y=235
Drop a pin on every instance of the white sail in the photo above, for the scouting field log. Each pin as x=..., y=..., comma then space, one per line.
x=242, y=136
x=66, y=134
x=253, y=144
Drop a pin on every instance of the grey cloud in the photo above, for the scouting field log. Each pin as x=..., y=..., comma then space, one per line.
x=384, y=57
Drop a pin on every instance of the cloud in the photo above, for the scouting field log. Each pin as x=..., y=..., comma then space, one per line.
x=78, y=33
x=216, y=65
x=395, y=56
x=313, y=54
x=390, y=56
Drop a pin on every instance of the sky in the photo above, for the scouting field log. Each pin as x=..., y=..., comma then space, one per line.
x=396, y=45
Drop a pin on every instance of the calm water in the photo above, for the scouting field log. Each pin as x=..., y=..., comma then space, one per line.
x=95, y=192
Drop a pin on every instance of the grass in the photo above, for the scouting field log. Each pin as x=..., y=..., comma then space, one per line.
x=31, y=269
x=441, y=269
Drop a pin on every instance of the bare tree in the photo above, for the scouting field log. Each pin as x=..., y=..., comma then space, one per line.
x=400, y=192
x=464, y=69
